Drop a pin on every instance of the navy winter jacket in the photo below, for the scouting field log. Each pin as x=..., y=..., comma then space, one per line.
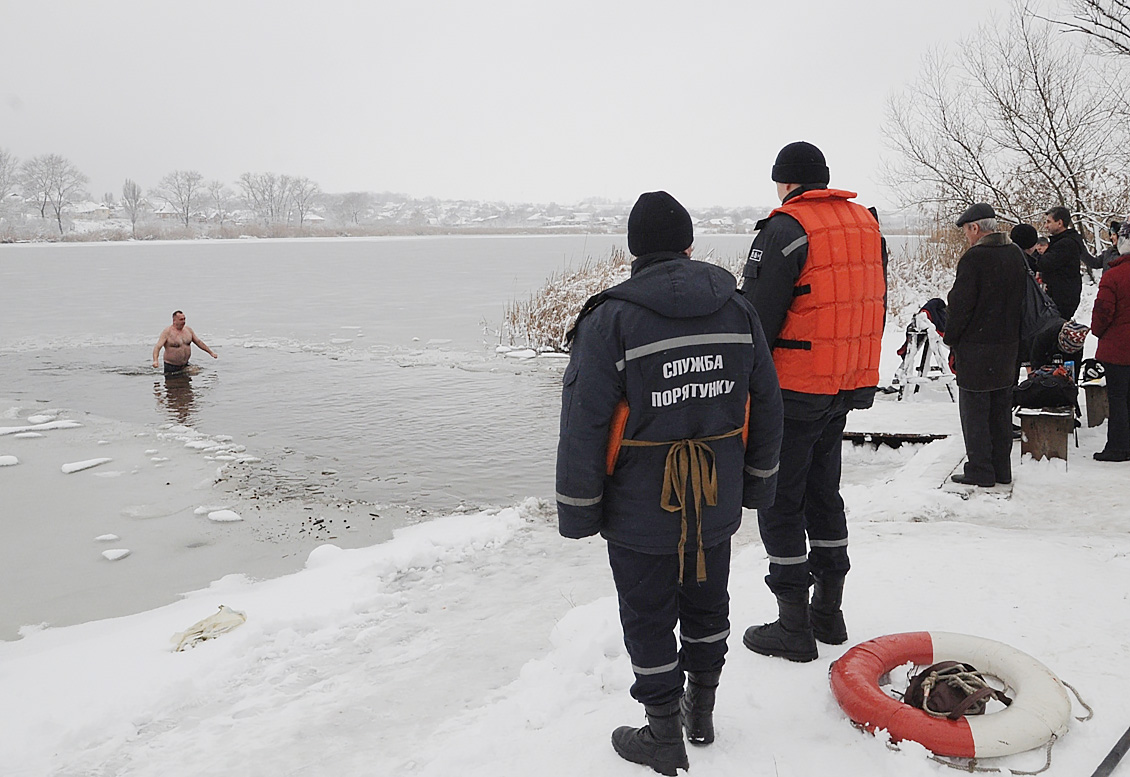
x=686, y=351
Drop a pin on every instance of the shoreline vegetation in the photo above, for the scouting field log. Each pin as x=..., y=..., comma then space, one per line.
x=921, y=268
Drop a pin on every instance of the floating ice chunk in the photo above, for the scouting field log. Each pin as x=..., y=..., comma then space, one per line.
x=40, y=418
x=340, y=340
x=523, y=353
x=107, y=538
x=103, y=442
x=224, y=516
x=223, y=438
x=158, y=459
x=27, y=434
x=78, y=466
x=209, y=509
x=8, y=461
x=39, y=427
x=152, y=452
x=115, y=554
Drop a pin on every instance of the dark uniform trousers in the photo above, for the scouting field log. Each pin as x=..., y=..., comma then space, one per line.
x=986, y=424
x=652, y=601
x=808, y=504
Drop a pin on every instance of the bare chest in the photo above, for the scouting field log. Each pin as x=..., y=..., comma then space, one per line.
x=178, y=338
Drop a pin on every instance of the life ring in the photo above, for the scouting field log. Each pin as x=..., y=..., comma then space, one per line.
x=1040, y=709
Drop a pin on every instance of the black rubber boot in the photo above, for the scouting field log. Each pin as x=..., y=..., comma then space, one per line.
x=697, y=706
x=659, y=744
x=827, y=618
x=790, y=636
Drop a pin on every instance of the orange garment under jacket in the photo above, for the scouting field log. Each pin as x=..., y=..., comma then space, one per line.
x=832, y=334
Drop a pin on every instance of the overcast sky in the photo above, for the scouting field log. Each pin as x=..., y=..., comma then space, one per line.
x=487, y=99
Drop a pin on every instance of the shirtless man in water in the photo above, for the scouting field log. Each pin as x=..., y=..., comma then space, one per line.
x=177, y=340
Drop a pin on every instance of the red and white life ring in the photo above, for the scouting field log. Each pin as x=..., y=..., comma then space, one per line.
x=1040, y=709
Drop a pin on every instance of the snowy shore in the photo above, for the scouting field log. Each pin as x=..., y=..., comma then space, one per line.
x=485, y=644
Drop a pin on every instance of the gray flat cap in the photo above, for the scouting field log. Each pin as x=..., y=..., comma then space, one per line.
x=976, y=212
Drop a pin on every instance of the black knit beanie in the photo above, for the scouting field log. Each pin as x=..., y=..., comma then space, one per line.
x=801, y=162
x=1024, y=235
x=658, y=223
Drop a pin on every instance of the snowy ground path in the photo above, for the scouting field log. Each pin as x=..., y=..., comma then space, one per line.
x=484, y=644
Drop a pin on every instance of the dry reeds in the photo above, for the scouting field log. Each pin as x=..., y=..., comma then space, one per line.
x=540, y=323
x=922, y=269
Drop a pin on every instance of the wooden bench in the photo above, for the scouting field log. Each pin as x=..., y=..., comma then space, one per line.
x=1044, y=432
x=1098, y=405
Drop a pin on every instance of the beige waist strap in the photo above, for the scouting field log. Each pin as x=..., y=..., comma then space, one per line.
x=692, y=459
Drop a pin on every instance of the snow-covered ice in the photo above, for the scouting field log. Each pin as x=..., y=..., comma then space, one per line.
x=79, y=466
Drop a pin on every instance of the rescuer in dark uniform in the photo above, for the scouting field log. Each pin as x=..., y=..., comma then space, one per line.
x=815, y=275
x=670, y=423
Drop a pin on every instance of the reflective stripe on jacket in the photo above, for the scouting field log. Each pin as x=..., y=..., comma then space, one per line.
x=683, y=357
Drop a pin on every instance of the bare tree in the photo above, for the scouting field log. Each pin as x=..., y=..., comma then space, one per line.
x=35, y=177
x=219, y=197
x=182, y=191
x=1016, y=119
x=1108, y=21
x=9, y=179
x=267, y=194
x=9, y=175
x=303, y=194
x=55, y=182
x=351, y=205
x=132, y=203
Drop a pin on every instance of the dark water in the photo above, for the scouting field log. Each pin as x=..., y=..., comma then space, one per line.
x=355, y=369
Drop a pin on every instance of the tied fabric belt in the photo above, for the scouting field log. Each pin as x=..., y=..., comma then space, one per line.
x=693, y=459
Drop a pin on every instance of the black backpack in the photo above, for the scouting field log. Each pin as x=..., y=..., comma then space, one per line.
x=1039, y=311
x=1048, y=386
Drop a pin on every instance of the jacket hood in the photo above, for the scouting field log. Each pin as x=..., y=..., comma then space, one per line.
x=675, y=286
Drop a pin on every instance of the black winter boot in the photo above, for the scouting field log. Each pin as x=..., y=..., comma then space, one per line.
x=790, y=636
x=659, y=744
x=827, y=619
x=697, y=707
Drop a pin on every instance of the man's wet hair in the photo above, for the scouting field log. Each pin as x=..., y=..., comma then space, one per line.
x=178, y=313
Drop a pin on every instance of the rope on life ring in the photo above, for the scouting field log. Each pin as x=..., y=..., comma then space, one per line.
x=1040, y=710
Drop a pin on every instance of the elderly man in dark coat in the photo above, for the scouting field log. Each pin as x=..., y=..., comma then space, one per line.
x=985, y=307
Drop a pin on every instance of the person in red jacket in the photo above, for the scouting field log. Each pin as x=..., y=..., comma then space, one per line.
x=1110, y=322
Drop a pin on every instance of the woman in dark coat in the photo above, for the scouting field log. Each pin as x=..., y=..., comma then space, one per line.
x=1110, y=322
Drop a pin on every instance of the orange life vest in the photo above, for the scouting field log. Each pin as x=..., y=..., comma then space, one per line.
x=832, y=333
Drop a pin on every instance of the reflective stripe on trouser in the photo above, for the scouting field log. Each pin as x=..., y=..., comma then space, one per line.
x=653, y=603
x=808, y=505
